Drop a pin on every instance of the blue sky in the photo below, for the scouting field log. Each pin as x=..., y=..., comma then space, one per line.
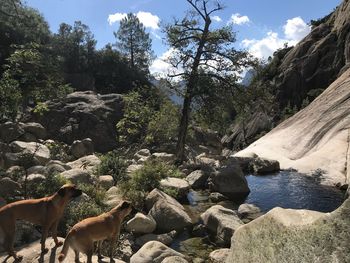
x=261, y=25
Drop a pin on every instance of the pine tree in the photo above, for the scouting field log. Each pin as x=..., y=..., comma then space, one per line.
x=135, y=43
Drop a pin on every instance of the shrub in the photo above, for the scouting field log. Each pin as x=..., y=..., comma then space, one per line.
x=163, y=125
x=146, y=179
x=58, y=151
x=77, y=211
x=113, y=164
x=49, y=186
x=95, y=192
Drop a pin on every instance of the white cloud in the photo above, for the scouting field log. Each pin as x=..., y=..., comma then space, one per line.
x=264, y=47
x=115, y=18
x=146, y=18
x=238, y=19
x=216, y=18
x=160, y=66
x=296, y=29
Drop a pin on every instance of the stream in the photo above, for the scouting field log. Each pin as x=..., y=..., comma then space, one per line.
x=287, y=189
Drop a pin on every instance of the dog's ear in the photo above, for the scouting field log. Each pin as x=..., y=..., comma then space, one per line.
x=125, y=205
x=61, y=192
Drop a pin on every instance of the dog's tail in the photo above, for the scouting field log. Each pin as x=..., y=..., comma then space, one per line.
x=65, y=248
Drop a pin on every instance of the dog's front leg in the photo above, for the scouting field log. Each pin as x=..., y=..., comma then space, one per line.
x=45, y=231
x=112, y=244
x=53, y=231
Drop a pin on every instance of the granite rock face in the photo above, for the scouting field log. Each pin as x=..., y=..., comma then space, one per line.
x=83, y=115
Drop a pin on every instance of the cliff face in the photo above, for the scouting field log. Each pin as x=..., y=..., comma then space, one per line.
x=315, y=138
x=317, y=60
x=308, y=68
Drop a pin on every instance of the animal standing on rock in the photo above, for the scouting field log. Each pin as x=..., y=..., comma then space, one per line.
x=46, y=211
x=82, y=236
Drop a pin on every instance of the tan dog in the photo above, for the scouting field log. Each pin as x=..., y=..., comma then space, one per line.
x=45, y=211
x=82, y=236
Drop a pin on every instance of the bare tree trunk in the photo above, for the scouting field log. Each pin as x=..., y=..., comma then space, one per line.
x=183, y=128
x=191, y=85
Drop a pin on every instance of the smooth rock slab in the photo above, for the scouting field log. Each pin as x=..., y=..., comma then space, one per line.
x=153, y=252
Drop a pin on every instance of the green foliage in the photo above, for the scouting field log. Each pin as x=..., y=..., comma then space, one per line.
x=146, y=179
x=41, y=108
x=10, y=97
x=58, y=151
x=163, y=126
x=112, y=163
x=137, y=113
x=77, y=211
x=49, y=186
x=94, y=191
x=135, y=43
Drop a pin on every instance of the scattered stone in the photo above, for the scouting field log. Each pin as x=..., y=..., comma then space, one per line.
x=106, y=181
x=133, y=168
x=167, y=212
x=221, y=223
x=10, y=131
x=142, y=155
x=174, y=259
x=216, y=197
x=165, y=157
x=35, y=178
x=157, y=195
x=229, y=180
x=141, y=224
x=264, y=166
x=166, y=238
x=35, y=129
x=169, y=217
x=153, y=252
x=77, y=176
x=80, y=148
x=38, y=169
x=8, y=187
x=179, y=186
x=31, y=253
x=197, y=179
x=88, y=163
x=15, y=171
x=199, y=230
x=113, y=197
x=40, y=152
x=219, y=255
x=248, y=212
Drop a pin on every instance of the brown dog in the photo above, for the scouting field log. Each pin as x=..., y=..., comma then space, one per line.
x=82, y=236
x=45, y=211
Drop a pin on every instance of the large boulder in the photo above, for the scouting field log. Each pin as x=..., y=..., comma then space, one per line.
x=8, y=187
x=141, y=224
x=264, y=166
x=10, y=131
x=288, y=235
x=40, y=153
x=80, y=148
x=180, y=186
x=219, y=255
x=248, y=212
x=167, y=212
x=229, y=180
x=113, y=197
x=77, y=176
x=197, y=179
x=153, y=252
x=83, y=115
x=36, y=130
x=166, y=238
x=221, y=223
x=88, y=163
